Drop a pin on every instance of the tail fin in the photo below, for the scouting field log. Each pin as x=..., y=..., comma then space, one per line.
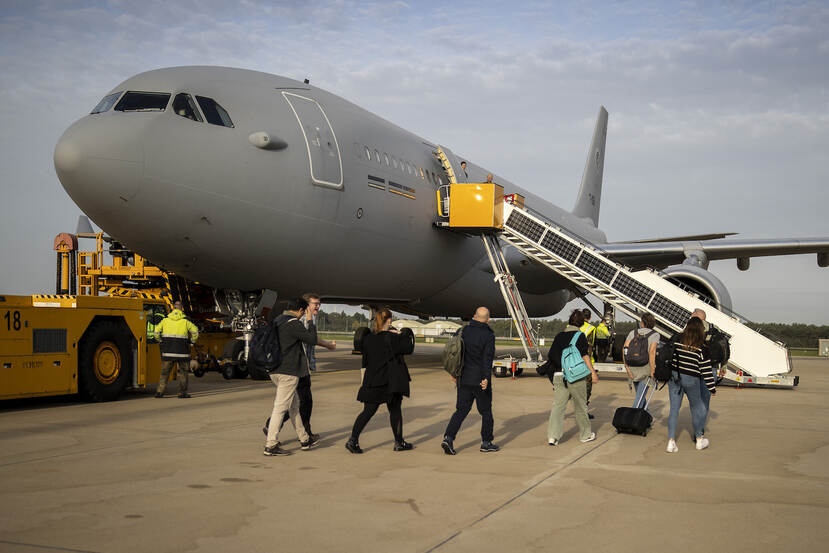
x=590, y=193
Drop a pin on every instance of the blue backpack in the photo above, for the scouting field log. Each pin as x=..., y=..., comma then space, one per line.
x=572, y=363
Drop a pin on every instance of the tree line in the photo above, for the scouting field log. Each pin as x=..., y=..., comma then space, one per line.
x=793, y=334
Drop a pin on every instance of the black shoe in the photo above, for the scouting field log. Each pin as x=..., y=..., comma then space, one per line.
x=487, y=447
x=276, y=450
x=590, y=416
x=446, y=444
x=353, y=446
x=314, y=437
x=184, y=395
x=159, y=394
x=308, y=444
x=403, y=446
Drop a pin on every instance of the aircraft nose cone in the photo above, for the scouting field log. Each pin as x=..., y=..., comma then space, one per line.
x=99, y=161
x=67, y=155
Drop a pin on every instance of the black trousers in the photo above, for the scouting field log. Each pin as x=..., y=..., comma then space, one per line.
x=306, y=403
x=395, y=418
x=483, y=400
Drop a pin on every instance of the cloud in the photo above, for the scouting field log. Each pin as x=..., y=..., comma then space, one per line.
x=721, y=105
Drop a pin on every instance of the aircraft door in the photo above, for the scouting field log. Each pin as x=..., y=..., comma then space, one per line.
x=323, y=149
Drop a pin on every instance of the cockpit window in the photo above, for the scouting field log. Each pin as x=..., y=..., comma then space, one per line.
x=214, y=113
x=108, y=101
x=183, y=105
x=143, y=101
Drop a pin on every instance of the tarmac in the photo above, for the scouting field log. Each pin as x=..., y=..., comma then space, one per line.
x=144, y=474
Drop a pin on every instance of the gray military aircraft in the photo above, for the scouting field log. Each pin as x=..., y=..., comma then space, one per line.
x=246, y=181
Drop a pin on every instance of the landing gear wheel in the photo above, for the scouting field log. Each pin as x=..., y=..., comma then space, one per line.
x=104, y=361
x=359, y=334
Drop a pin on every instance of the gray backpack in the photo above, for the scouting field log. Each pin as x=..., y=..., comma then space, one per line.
x=453, y=355
x=636, y=354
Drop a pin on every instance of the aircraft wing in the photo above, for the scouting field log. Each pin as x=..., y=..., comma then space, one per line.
x=662, y=254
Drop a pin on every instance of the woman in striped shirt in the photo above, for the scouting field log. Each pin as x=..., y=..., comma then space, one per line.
x=691, y=362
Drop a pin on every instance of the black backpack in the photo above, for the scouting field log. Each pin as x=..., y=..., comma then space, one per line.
x=665, y=361
x=636, y=354
x=264, y=347
x=719, y=348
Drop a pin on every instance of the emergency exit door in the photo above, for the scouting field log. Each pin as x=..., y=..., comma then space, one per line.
x=323, y=150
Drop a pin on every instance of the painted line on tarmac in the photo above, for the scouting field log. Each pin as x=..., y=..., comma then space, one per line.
x=47, y=547
x=519, y=495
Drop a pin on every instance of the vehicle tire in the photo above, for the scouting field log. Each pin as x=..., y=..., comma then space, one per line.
x=198, y=373
x=104, y=361
x=227, y=371
x=500, y=372
x=359, y=334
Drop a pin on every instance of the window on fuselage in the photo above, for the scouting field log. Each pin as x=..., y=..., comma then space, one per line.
x=184, y=106
x=213, y=112
x=143, y=101
x=107, y=102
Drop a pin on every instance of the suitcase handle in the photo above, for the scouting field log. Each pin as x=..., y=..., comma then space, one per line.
x=649, y=382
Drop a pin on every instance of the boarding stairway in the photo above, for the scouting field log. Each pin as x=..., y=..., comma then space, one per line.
x=755, y=359
x=515, y=307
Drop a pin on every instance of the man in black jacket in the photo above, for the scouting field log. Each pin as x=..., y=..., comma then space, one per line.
x=475, y=382
x=294, y=365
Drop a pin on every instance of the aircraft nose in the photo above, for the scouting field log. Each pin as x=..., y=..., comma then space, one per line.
x=99, y=161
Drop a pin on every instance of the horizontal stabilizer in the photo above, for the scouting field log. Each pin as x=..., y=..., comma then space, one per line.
x=681, y=238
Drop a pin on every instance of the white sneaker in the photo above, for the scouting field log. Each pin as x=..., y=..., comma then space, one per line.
x=672, y=448
x=590, y=438
x=552, y=442
x=702, y=442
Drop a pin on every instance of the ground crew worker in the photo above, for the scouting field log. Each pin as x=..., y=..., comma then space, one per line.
x=602, y=347
x=176, y=333
x=589, y=332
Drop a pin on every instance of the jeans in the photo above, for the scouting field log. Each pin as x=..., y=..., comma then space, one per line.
x=483, y=400
x=690, y=386
x=705, y=394
x=285, y=400
x=576, y=390
x=641, y=388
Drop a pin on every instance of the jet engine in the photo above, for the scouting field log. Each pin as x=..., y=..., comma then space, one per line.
x=700, y=281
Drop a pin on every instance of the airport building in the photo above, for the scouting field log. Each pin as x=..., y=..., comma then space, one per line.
x=432, y=328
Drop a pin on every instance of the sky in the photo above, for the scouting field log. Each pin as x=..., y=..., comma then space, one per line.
x=719, y=111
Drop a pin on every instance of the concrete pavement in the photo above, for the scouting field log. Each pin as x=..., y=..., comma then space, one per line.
x=145, y=474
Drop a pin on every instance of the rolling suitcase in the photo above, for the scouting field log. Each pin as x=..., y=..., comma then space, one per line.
x=635, y=420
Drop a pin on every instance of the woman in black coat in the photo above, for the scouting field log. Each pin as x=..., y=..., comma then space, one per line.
x=386, y=379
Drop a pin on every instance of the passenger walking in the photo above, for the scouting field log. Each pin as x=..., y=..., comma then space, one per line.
x=589, y=332
x=563, y=390
x=176, y=334
x=717, y=345
x=303, y=389
x=638, y=366
x=292, y=337
x=475, y=382
x=386, y=379
x=691, y=366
